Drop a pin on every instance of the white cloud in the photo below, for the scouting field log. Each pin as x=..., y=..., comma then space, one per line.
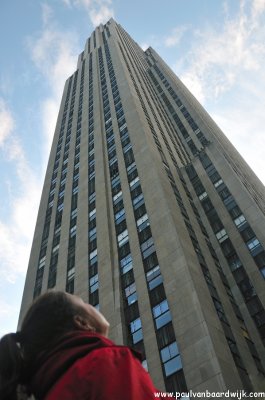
x=194, y=83
x=16, y=234
x=246, y=133
x=176, y=35
x=47, y=13
x=67, y=3
x=144, y=46
x=100, y=15
x=4, y=308
x=258, y=8
x=84, y=3
x=9, y=306
x=6, y=83
x=7, y=313
x=14, y=252
x=217, y=58
x=99, y=11
x=6, y=122
x=224, y=69
x=49, y=112
x=54, y=53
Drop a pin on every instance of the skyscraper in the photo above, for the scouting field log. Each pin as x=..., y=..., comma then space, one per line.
x=149, y=213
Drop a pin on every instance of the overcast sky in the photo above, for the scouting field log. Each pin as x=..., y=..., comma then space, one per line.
x=216, y=47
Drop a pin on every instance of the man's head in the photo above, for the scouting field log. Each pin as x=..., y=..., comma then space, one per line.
x=55, y=314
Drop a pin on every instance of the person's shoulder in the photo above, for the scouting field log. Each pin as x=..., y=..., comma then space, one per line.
x=114, y=352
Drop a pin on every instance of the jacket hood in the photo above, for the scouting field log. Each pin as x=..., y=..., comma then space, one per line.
x=51, y=365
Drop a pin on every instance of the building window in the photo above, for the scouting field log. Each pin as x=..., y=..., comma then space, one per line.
x=42, y=262
x=119, y=216
x=148, y=247
x=133, y=182
x=92, y=234
x=117, y=196
x=138, y=200
x=130, y=293
x=93, y=254
x=154, y=277
x=74, y=213
x=142, y=222
x=260, y=261
x=247, y=234
x=165, y=335
x=92, y=212
x=60, y=207
x=161, y=314
x=240, y=220
x=144, y=364
x=221, y=235
x=55, y=248
x=224, y=193
x=203, y=196
x=123, y=238
x=171, y=359
x=218, y=183
x=136, y=330
x=73, y=231
x=126, y=264
x=93, y=283
x=253, y=243
x=70, y=286
x=70, y=273
x=234, y=262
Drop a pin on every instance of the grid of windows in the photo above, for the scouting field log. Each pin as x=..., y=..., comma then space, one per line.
x=93, y=282
x=60, y=202
x=45, y=235
x=70, y=276
x=148, y=243
x=199, y=134
x=252, y=301
x=153, y=277
x=253, y=244
x=131, y=311
x=171, y=359
x=167, y=123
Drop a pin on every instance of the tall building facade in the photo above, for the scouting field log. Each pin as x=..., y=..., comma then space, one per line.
x=149, y=213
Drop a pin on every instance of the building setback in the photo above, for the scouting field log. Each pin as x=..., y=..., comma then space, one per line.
x=149, y=213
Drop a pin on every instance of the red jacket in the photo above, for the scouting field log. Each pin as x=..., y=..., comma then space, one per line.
x=86, y=366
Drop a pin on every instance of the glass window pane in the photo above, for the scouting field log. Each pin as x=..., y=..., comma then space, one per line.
x=172, y=366
x=155, y=282
x=169, y=352
x=153, y=273
x=163, y=319
x=160, y=308
x=137, y=336
x=164, y=306
x=132, y=298
x=135, y=325
x=165, y=354
x=130, y=289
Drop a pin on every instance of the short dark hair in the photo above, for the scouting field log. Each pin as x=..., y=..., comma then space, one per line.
x=49, y=317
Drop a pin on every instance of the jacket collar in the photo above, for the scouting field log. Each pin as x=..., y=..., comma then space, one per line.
x=50, y=366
